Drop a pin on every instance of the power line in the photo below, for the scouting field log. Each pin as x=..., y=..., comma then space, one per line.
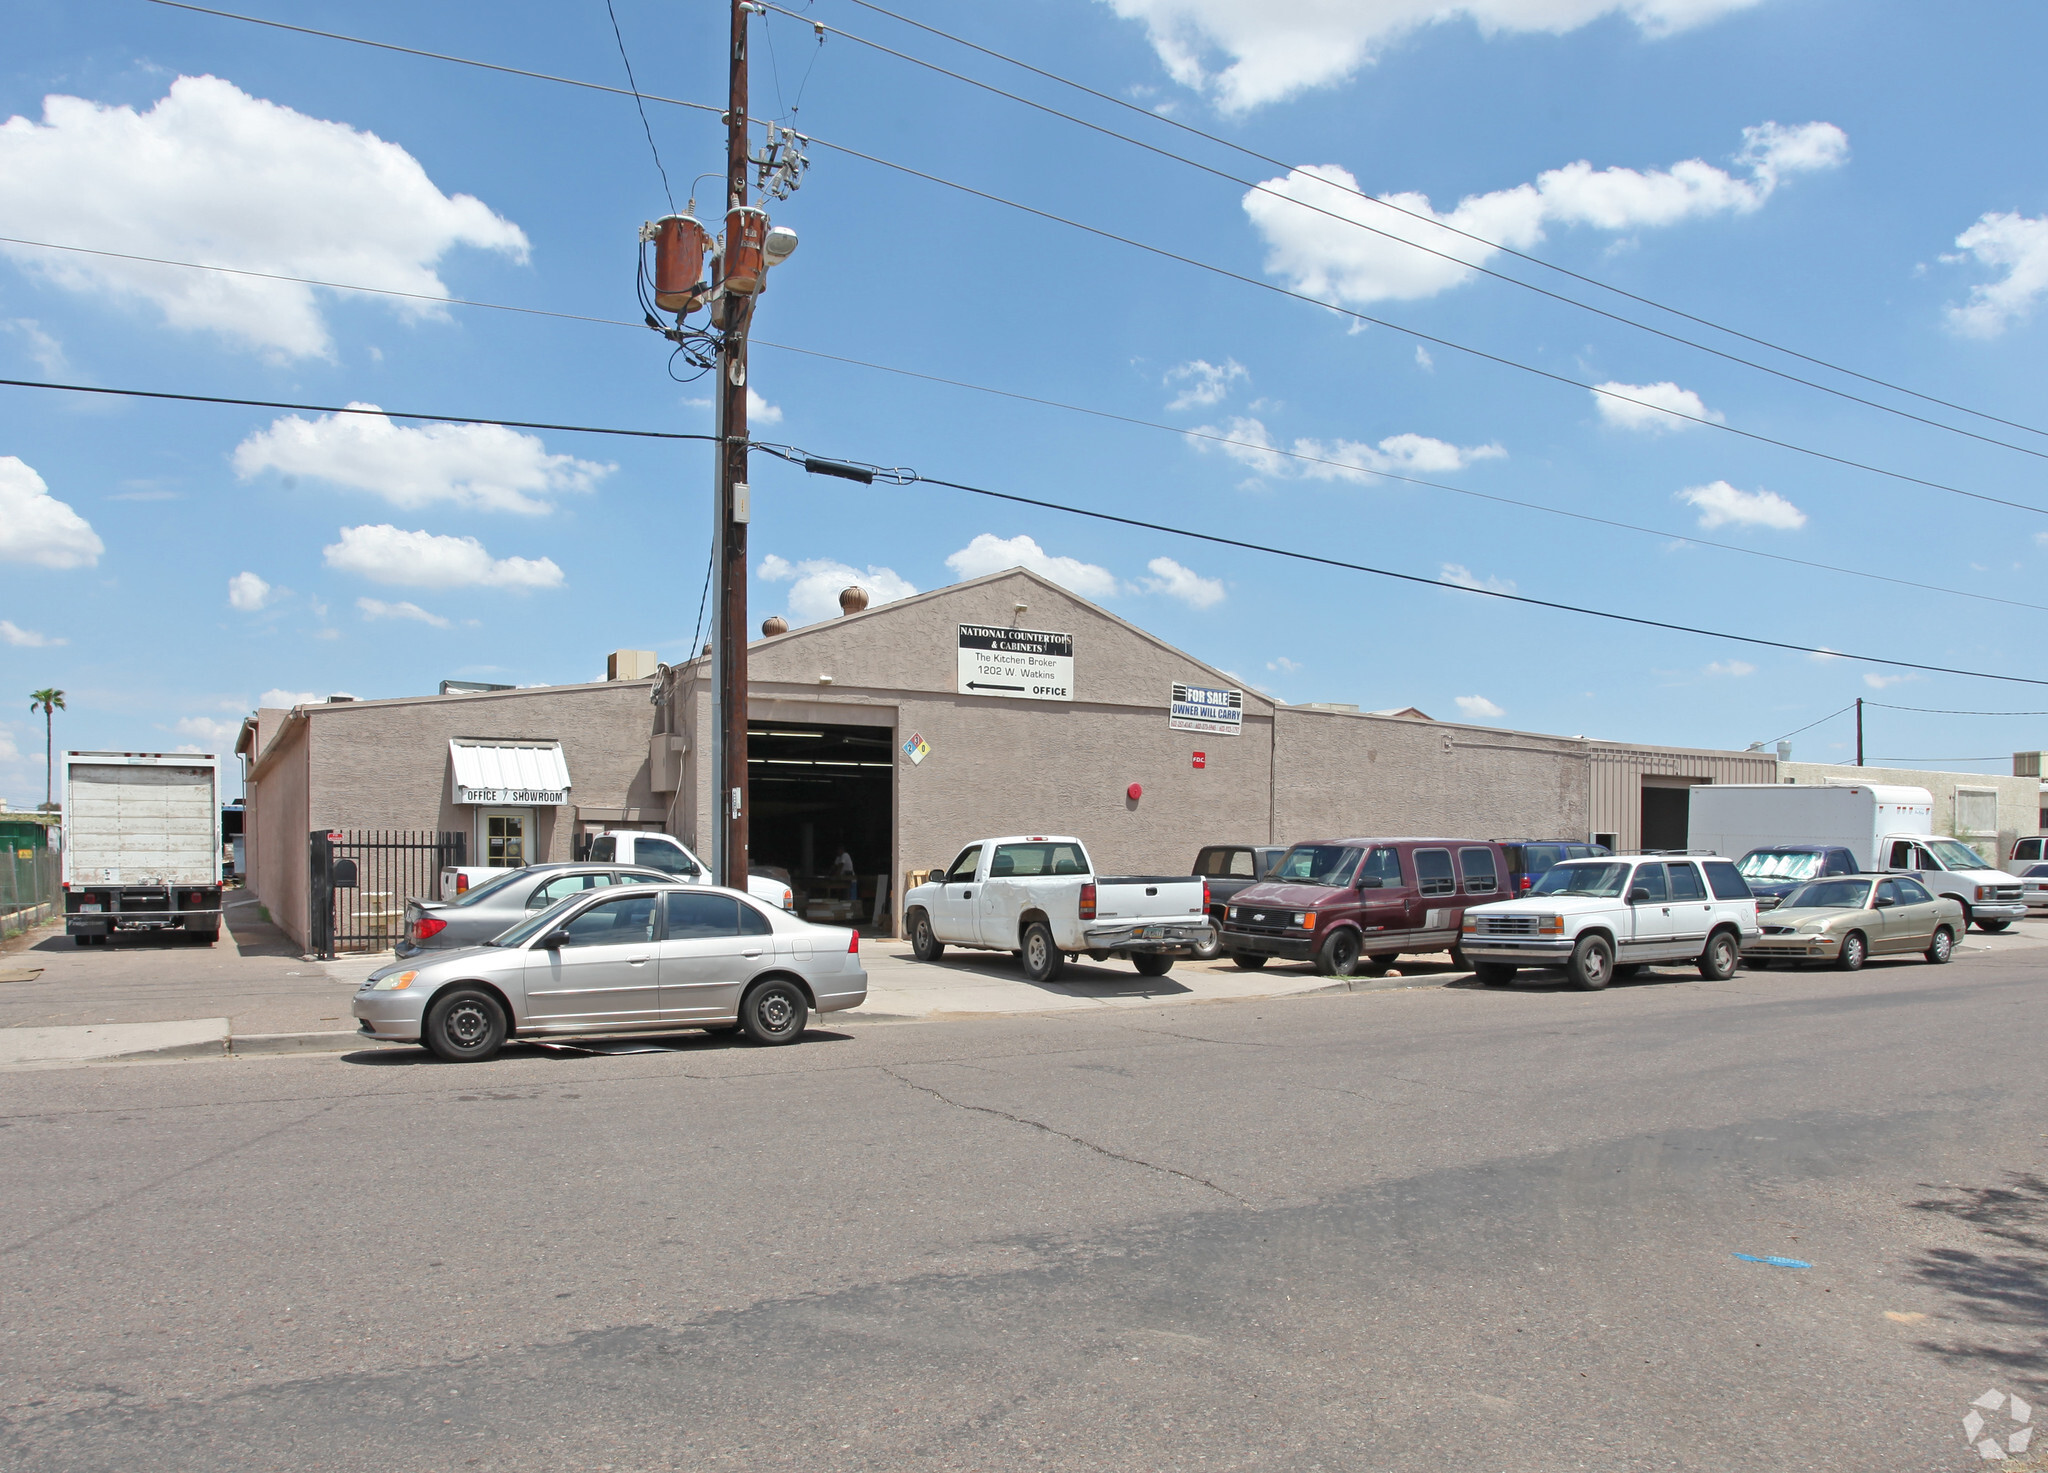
x=640, y=106
x=1812, y=724
x=1937, y=711
x=1201, y=265
x=902, y=475
x=1493, y=245
x=459, y=419
x=1348, y=466
x=1223, y=440
x=1258, y=187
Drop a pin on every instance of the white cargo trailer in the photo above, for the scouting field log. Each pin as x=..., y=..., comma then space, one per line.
x=141, y=844
x=1734, y=818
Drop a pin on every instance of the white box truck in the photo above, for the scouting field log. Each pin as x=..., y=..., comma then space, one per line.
x=1886, y=828
x=141, y=844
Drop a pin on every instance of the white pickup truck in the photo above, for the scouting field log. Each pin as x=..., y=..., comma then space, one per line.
x=1039, y=898
x=627, y=846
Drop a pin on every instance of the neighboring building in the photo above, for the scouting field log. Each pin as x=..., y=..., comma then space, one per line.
x=1987, y=812
x=867, y=742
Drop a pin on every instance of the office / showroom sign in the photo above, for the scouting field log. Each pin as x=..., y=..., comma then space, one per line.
x=1016, y=664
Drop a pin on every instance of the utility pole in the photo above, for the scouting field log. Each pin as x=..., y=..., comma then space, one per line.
x=1859, y=731
x=731, y=513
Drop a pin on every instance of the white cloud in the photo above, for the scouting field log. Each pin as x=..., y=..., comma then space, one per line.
x=26, y=639
x=206, y=729
x=1464, y=577
x=1477, y=708
x=1878, y=682
x=211, y=174
x=816, y=583
x=1650, y=399
x=1731, y=667
x=1170, y=578
x=761, y=412
x=989, y=553
x=1327, y=257
x=35, y=527
x=1203, y=383
x=248, y=593
x=47, y=352
x=485, y=467
x=1721, y=505
x=1247, y=442
x=1244, y=53
x=2019, y=247
x=1282, y=663
x=274, y=699
x=376, y=608
x=1422, y=359
x=384, y=554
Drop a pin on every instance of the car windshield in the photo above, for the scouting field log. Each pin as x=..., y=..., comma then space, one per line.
x=536, y=923
x=1953, y=855
x=1600, y=881
x=1778, y=864
x=1830, y=895
x=1328, y=865
x=489, y=887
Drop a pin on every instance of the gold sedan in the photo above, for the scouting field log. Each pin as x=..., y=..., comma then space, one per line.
x=1846, y=921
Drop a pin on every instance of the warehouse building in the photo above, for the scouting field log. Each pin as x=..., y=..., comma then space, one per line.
x=883, y=740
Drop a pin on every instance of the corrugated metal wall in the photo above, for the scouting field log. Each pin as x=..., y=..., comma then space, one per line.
x=1617, y=774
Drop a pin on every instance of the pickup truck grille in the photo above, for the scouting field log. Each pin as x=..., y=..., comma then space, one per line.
x=1505, y=925
x=2007, y=892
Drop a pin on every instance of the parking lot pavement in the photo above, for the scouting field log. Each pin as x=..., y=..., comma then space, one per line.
x=252, y=977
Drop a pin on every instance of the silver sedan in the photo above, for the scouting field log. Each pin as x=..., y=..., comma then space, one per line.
x=627, y=958
x=476, y=915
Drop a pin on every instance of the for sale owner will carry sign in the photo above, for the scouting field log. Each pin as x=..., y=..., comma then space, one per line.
x=1206, y=708
x=1017, y=664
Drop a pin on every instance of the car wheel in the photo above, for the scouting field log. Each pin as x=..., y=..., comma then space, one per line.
x=923, y=944
x=1719, y=960
x=465, y=1025
x=1338, y=956
x=774, y=1012
x=1209, y=950
x=1246, y=963
x=1042, y=960
x=1854, y=950
x=1493, y=974
x=1592, y=965
x=1992, y=928
x=1942, y=947
x=1152, y=963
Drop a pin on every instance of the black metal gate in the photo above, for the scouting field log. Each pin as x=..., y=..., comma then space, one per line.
x=361, y=879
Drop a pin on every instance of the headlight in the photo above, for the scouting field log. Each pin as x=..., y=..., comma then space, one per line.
x=1983, y=892
x=1306, y=919
x=396, y=982
x=1550, y=925
x=1470, y=928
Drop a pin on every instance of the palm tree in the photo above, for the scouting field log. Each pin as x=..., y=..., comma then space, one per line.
x=49, y=702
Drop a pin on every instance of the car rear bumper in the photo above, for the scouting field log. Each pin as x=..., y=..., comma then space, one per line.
x=1176, y=938
x=849, y=990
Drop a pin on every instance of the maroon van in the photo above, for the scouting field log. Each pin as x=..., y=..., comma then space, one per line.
x=1353, y=905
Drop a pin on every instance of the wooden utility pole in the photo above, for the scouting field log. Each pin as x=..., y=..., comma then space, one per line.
x=731, y=513
x=1859, y=731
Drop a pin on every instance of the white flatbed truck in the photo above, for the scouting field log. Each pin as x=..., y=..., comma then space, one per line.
x=141, y=844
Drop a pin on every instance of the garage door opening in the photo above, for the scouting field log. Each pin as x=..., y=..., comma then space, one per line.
x=821, y=800
x=1667, y=811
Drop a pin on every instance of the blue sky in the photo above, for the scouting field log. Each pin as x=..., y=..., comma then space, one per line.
x=1857, y=181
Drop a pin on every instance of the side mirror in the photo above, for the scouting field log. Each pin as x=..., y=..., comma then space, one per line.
x=1638, y=895
x=1370, y=882
x=1883, y=902
x=554, y=939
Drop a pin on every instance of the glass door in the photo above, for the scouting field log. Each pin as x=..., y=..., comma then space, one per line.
x=502, y=834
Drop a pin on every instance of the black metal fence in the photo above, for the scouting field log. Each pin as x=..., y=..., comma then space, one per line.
x=361, y=879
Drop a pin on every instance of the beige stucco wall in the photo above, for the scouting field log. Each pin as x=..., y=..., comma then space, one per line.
x=275, y=822
x=2019, y=798
x=1618, y=773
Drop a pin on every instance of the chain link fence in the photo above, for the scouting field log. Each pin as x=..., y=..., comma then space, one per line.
x=28, y=888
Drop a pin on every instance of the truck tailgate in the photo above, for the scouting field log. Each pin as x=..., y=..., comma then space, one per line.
x=1147, y=897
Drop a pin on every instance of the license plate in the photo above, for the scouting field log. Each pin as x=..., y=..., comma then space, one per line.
x=88, y=910
x=1152, y=933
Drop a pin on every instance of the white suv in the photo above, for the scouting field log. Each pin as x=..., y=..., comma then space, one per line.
x=1605, y=918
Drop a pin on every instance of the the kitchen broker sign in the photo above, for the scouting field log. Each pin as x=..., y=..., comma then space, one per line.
x=1207, y=708
x=1019, y=664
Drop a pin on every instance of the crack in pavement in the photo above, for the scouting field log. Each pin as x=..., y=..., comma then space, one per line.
x=1199, y=1181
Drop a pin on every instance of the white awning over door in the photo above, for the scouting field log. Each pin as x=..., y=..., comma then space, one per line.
x=509, y=772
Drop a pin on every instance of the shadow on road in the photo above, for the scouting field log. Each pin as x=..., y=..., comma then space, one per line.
x=401, y=1057
x=2002, y=1288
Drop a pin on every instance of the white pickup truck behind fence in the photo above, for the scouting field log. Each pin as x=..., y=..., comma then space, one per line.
x=1039, y=898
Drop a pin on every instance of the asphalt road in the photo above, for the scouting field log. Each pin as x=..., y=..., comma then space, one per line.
x=1440, y=1228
